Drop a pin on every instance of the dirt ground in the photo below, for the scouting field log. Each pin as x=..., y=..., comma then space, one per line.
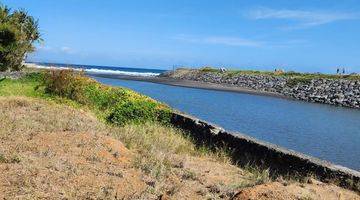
x=295, y=191
x=51, y=151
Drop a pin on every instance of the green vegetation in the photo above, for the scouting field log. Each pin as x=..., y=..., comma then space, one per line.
x=298, y=81
x=22, y=87
x=120, y=105
x=291, y=74
x=115, y=104
x=209, y=69
x=18, y=32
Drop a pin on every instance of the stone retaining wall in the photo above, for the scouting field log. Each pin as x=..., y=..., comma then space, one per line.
x=246, y=150
x=341, y=92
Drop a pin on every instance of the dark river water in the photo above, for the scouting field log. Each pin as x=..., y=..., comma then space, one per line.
x=327, y=132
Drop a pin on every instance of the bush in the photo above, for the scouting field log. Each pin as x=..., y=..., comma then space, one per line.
x=138, y=112
x=298, y=81
x=123, y=105
x=209, y=69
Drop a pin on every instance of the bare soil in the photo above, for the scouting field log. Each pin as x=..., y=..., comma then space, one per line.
x=295, y=191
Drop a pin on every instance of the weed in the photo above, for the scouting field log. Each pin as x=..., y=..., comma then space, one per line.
x=15, y=159
x=306, y=198
x=257, y=175
x=209, y=69
x=3, y=159
x=189, y=175
x=298, y=81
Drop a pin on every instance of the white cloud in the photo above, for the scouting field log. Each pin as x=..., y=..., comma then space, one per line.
x=66, y=49
x=57, y=49
x=303, y=18
x=219, y=40
x=44, y=48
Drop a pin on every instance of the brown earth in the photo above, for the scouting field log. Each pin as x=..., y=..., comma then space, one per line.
x=51, y=151
x=295, y=191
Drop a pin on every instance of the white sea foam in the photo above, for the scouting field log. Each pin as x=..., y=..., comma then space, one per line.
x=106, y=71
x=95, y=70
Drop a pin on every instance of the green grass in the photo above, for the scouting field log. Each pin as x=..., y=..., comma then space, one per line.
x=24, y=87
x=30, y=86
x=114, y=104
x=290, y=74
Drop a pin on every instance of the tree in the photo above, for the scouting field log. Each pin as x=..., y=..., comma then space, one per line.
x=18, y=33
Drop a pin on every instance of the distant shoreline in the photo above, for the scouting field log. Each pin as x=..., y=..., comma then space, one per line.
x=294, y=86
x=191, y=84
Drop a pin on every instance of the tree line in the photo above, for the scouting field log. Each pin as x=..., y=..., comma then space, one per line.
x=18, y=33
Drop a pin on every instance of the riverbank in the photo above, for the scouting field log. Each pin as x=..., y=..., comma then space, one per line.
x=339, y=90
x=143, y=160
x=190, y=84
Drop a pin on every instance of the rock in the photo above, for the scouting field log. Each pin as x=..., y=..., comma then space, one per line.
x=330, y=91
x=12, y=75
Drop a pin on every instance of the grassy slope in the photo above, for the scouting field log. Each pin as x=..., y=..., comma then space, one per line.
x=161, y=151
x=162, y=160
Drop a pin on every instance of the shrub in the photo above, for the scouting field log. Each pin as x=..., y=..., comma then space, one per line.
x=67, y=83
x=298, y=81
x=139, y=112
x=123, y=105
x=292, y=73
x=209, y=69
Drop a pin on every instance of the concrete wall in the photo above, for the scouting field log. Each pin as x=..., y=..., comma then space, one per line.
x=279, y=160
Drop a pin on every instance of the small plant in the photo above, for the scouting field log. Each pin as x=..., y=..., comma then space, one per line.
x=306, y=198
x=209, y=69
x=189, y=175
x=3, y=159
x=257, y=175
x=15, y=159
x=136, y=111
x=298, y=81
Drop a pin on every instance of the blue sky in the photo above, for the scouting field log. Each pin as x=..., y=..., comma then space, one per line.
x=301, y=35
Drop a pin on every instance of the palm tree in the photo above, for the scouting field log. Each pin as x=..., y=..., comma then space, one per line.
x=4, y=13
x=18, y=33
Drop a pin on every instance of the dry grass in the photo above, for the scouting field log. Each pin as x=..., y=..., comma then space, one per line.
x=52, y=151
x=175, y=166
x=33, y=116
x=295, y=191
x=55, y=151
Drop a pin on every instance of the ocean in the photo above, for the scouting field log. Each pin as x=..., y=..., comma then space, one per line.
x=94, y=69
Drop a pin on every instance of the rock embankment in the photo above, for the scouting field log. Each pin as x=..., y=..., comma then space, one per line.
x=340, y=92
x=11, y=75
